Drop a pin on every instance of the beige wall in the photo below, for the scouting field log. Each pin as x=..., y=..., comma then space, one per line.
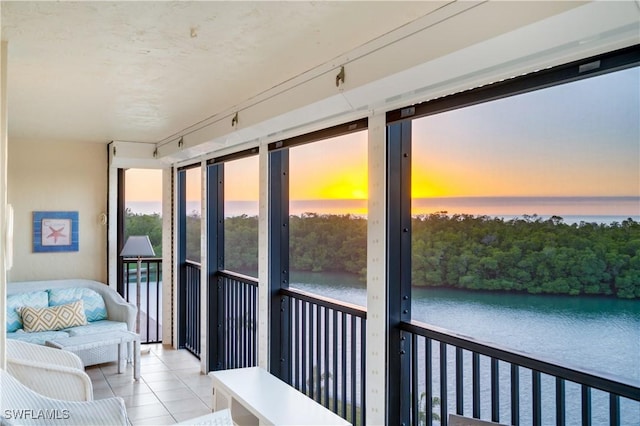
x=58, y=177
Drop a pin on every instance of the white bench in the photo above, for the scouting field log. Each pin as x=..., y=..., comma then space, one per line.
x=256, y=397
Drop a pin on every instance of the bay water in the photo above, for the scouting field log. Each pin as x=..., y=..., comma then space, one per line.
x=598, y=334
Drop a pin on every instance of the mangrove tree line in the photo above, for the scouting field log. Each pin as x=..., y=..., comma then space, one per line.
x=526, y=254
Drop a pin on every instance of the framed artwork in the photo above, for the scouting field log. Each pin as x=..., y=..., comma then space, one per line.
x=55, y=231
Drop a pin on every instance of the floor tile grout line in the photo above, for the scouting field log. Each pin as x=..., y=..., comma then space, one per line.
x=172, y=414
x=166, y=367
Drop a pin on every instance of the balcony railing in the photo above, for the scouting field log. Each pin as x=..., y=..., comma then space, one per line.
x=191, y=307
x=239, y=308
x=328, y=340
x=448, y=373
x=150, y=295
x=506, y=382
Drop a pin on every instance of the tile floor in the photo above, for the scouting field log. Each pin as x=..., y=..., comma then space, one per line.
x=170, y=390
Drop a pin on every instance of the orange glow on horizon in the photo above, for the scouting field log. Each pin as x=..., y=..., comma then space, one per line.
x=333, y=169
x=424, y=185
x=241, y=181
x=143, y=185
x=349, y=185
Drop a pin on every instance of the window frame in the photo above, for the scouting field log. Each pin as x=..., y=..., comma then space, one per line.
x=398, y=224
x=280, y=338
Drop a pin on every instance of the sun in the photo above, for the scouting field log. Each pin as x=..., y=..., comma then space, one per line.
x=359, y=194
x=344, y=186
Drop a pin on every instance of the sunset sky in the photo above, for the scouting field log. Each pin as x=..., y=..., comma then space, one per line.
x=143, y=185
x=331, y=169
x=578, y=139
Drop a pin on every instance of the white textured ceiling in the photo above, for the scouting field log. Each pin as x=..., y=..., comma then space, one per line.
x=143, y=71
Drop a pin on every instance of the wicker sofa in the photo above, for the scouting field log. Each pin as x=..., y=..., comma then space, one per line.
x=105, y=311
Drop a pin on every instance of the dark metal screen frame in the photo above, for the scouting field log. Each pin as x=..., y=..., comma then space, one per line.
x=577, y=70
x=279, y=336
x=182, y=253
x=215, y=262
x=120, y=228
x=216, y=256
x=399, y=201
x=398, y=269
x=280, y=341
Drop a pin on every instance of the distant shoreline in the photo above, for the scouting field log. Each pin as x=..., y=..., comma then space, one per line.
x=571, y=209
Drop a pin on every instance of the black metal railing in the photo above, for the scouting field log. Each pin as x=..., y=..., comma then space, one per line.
x=191, y=306
x=328, y=340
x=150, y=295
x=239, y=309
x=506, y=386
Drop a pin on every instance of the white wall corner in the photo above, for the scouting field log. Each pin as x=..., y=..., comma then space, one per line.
x=376, y=274
x=175, y=267
x=263, y=258
x=3, y=199
x=168, y=254
x=112, y=229
x=204, y=273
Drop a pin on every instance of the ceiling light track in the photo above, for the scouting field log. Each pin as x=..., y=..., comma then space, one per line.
x=340, y=77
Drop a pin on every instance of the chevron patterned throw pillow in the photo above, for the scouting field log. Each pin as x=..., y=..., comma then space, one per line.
x=53, y=318
x=94, y=306
x=35, y=299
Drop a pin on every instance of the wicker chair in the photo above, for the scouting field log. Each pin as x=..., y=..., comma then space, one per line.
x=20, y=405
x=50, y=372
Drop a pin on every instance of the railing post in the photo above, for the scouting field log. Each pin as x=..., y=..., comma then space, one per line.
x=428, y=377
x=475, y=372
x=515, y=395
x=444, y=403
x=560, y=402
x=495, y=391
x=586, y=405
x=614, y=410
x=536, y=395
x=460, y=383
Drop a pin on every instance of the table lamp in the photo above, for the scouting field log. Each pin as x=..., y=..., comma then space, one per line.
x=138, y=246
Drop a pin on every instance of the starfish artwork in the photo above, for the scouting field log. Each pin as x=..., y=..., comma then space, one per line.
x=56, y=233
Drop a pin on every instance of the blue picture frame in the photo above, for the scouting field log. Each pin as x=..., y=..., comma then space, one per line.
x=55, y=231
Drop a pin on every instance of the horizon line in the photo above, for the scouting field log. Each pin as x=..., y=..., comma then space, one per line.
x=431, y=197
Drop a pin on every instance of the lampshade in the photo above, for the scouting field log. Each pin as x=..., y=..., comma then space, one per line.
x=137, y=246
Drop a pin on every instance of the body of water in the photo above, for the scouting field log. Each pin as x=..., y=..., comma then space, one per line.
x=593, y=333
x=597, y=333
x=571, y=209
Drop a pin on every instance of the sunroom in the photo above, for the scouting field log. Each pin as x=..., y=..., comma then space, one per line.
x=348, y=190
